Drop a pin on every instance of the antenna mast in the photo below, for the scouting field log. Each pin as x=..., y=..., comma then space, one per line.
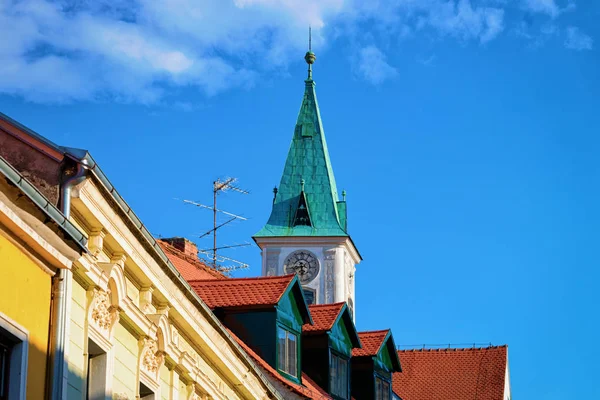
x=220, y=186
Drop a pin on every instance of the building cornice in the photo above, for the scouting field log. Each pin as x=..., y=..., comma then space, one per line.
x=312, y=241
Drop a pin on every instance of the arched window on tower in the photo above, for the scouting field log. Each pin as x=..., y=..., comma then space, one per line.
x=309, y=295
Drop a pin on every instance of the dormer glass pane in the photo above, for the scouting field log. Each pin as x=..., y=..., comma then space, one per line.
x=287, y=352
x=291, y=353
x=338, y=376
x=382, y=389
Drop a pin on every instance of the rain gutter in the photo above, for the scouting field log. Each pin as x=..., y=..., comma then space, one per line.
x=43, y=204
x=62, y=294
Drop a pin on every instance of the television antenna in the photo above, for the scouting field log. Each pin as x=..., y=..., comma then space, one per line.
x=221, y=186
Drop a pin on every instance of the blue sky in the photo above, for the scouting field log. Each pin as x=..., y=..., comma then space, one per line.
x=465, y=133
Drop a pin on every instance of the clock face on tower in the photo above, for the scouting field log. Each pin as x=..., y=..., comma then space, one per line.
x=303, y=263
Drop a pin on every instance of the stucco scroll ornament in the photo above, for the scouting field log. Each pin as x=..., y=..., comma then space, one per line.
x=153, y=358
x=103, y=313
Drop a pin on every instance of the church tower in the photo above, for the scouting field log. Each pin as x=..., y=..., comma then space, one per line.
x=307, y=230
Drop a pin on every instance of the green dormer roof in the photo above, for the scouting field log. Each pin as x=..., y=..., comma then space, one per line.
x=307, y=187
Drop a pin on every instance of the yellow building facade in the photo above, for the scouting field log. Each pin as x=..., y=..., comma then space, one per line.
x=33, y=247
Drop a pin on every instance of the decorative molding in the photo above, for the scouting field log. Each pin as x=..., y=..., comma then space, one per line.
x=205, y=329
x=329, y=275
x=175, y=336
x=146, y=300
x=118, y=258
x=96, y=241
x=104, y=314
x=272, y=262
x=350, y=276
x=152, y=357
x=266, y=243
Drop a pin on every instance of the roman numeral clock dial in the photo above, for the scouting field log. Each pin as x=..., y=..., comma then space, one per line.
x=304, y=264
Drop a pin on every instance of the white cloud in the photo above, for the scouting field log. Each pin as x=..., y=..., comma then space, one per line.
x=542, y=6
x=373, y=67
x=577, y=40
x=139, y=50
x=134, y=50
x=463, y=20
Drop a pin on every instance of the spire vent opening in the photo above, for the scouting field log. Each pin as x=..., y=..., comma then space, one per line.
x=302, y=217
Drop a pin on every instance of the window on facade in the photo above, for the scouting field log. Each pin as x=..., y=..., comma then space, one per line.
x=146, y=393
x=287, y=352
x=338, y=376
x=97, y=371
x=382, y=389
x=4, y=365
x=14, y=342
x=309, y=295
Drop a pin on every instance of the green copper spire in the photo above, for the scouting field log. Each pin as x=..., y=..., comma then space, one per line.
x=306, y=202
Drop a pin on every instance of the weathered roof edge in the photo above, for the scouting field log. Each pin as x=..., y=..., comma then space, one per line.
x=43, y=204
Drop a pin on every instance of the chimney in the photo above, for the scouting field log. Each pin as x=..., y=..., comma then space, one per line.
x=182, y=244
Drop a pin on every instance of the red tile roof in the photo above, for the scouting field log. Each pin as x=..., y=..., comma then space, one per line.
x=309, y=389
x=191, y=268
x=323, y=315
x=452, y=374
x=371, y=343
x=253, y=292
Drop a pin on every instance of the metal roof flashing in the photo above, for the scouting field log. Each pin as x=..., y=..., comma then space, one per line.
x=43, y=204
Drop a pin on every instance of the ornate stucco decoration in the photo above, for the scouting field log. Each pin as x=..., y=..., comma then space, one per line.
x=104, y=314
x=120, y=396
x=152, y=357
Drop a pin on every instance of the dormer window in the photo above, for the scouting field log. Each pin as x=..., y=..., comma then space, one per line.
x=287, y=352
x=338, y=376
x=382, y=389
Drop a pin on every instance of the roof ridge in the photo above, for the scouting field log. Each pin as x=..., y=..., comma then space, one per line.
x=378, y=331
x=338, y=304
x=453, y=349
x=194, y=261
x=249, y=278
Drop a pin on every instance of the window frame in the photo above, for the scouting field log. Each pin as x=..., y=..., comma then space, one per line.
x=332, y=354
x=313, y=292
x=383, y=380
x=282, y=371
x=17, y=369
